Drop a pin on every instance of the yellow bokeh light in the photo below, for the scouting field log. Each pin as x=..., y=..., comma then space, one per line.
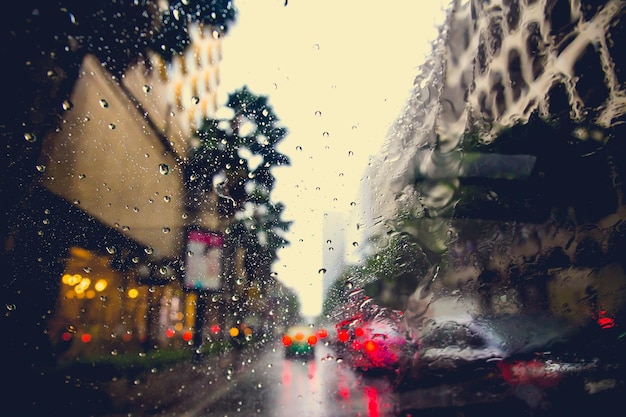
x=234, y=332
x=90, y=294
x=101, y=284
x=82, y=286
x=71, y=280
x=178, y=326
x=133, y=293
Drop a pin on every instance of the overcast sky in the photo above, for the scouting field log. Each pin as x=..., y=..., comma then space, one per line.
x=337, y=73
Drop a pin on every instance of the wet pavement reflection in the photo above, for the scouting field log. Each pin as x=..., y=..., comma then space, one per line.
x=318, y=387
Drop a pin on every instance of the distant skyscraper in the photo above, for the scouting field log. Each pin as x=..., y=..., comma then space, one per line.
x=333, y=258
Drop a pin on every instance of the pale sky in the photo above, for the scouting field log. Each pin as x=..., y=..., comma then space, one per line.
x=337, y=73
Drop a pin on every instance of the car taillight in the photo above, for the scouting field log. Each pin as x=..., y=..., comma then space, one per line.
x=287, y=340
x=322, y=333
x=312, y=340
x=533, y=372
x=370, y=346
x=343, y=335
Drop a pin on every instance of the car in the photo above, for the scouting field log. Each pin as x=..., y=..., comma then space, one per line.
x=299, y=342
x=372, y=340
x=510, y=356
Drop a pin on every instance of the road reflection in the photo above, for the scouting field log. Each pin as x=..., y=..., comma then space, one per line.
x=324, y=386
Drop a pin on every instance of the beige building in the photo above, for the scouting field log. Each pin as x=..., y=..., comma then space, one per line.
x=118, y=157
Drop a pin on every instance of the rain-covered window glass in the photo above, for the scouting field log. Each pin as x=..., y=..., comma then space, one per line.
x=325, y=208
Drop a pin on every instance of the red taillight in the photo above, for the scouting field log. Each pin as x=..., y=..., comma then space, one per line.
x=534, y=372
x=312, y=340
x=322, y=333
x=370, y=346
x=86, y=338
x=287, y=340
x=343, y=335
x=187, y=336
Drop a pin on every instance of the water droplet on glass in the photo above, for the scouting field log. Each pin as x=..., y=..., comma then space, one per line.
x=103, y=103
x=318, y=113
x=67, y=105
x=30, y=137
x=322, y=271
x=164, y=169
x=166, y=230
x=298, y=148
x=355, y=244
x=195, y=99
x=146, y=88
x=82, y=176
x=326, y=134
x=111, y=126
x=40, y=168
x=167, y=198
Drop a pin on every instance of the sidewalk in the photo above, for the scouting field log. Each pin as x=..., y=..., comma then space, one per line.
x=172, y=390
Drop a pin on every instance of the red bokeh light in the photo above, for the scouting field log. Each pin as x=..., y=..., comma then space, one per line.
x=370, y=346
x=287, y=341
x=187, y=335
x=343, y=335
x=169, y=333
x=86, y=338
x=604, y=321
x=66, y=336
x=215, y=329
x=359, y=332
x=312, y=340
x=322, y=333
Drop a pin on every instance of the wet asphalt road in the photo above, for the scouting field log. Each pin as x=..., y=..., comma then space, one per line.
x=265, y=383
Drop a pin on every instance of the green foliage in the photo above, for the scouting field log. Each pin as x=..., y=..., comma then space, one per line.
x=173, y=37
x=239, y=155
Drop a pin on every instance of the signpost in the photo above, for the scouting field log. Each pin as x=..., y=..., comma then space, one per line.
x=203, y=272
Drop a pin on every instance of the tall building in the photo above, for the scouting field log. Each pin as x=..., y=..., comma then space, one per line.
x=333, y=255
